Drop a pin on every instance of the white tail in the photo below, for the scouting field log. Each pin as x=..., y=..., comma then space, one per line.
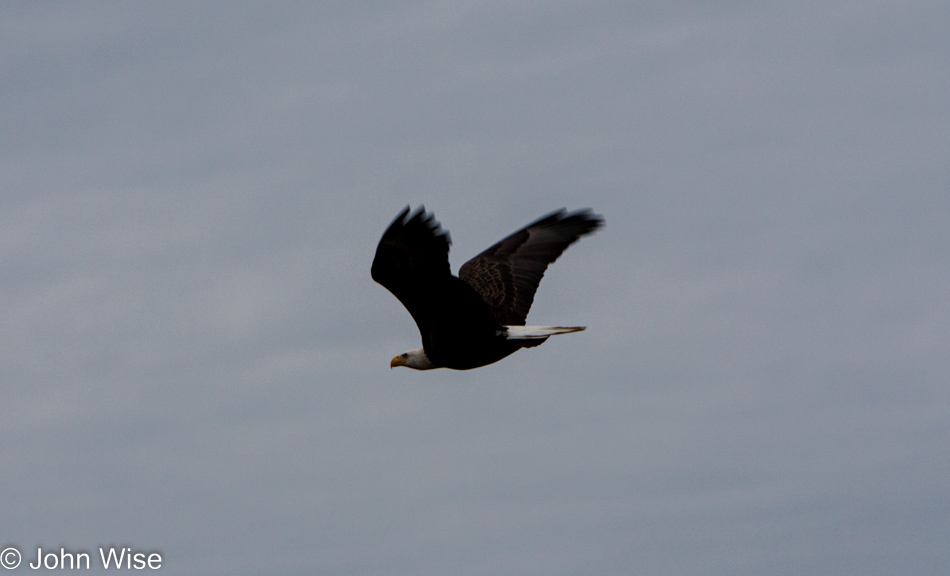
x=538, y=332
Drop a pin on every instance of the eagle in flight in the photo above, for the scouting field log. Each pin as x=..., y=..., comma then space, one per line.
x=478, y=317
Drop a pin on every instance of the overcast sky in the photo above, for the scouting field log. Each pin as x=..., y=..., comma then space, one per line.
x=194, y=359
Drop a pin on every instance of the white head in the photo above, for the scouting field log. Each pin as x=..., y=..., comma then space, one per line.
x=416, y=359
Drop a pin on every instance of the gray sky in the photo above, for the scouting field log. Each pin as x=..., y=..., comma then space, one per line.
x=195, y=359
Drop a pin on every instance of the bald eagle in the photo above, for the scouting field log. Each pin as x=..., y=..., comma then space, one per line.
x=476, y=318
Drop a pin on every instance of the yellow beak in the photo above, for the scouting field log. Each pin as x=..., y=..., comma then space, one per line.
x=397, y=361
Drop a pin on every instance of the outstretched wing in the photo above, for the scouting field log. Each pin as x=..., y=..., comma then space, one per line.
x=412, y=259
x=412, y=262
x=507, y=275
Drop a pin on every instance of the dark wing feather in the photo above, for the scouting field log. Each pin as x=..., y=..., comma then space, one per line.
x=412, y=262
x=412, y=259
x=507, y=275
